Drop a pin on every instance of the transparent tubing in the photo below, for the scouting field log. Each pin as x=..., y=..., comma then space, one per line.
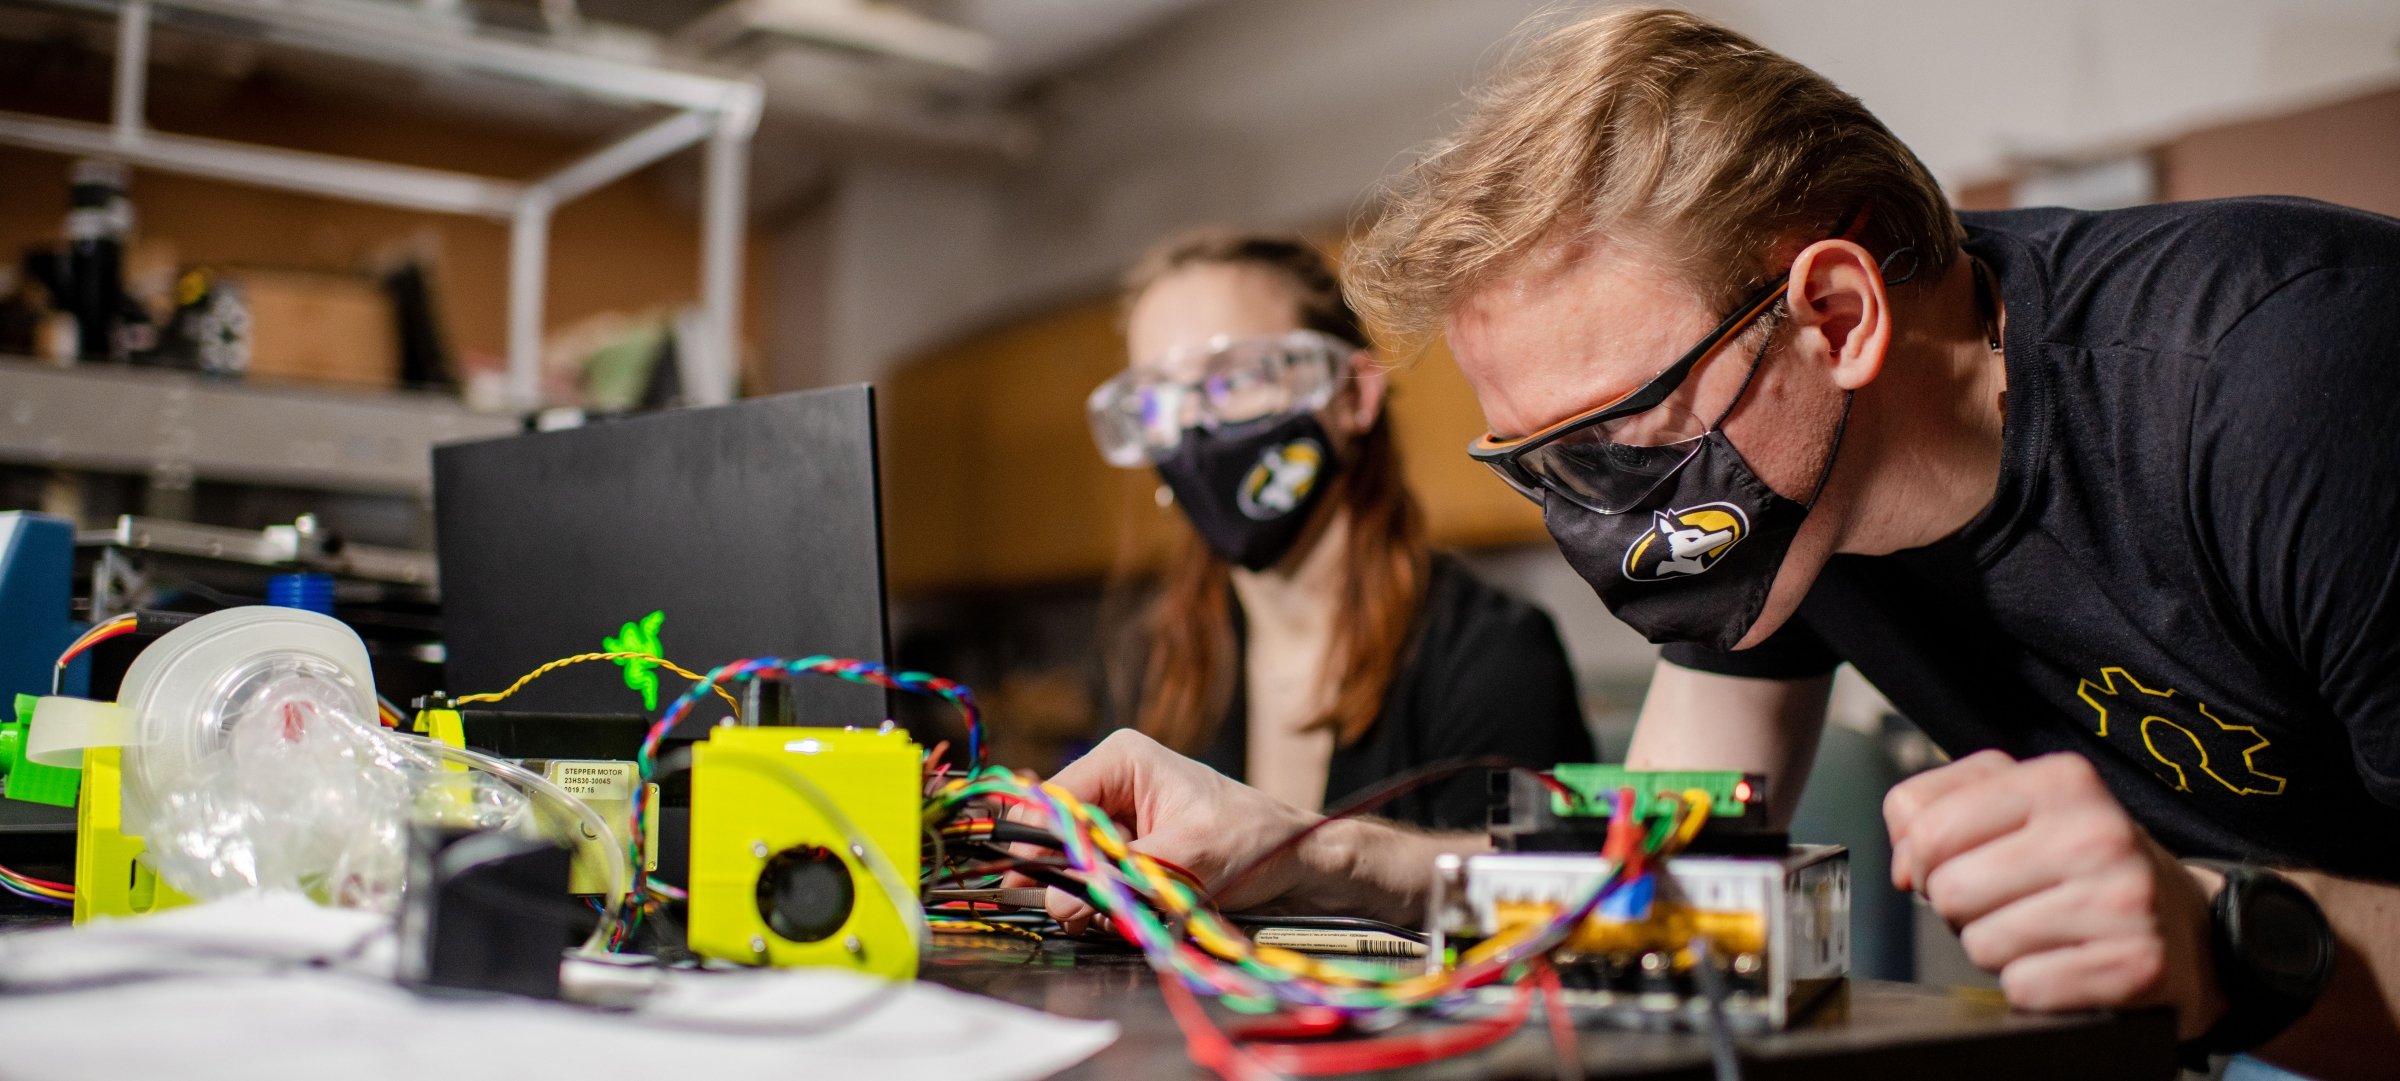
x=541, y=789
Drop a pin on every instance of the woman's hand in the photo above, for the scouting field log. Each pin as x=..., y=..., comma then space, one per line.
x=1182, y=812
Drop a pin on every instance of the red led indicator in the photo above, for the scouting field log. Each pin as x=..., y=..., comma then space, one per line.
x=1742, y=792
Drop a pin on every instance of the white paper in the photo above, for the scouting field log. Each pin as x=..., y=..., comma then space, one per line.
x=275, y=989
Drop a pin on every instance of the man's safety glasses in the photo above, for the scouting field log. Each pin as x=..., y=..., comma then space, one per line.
x=1142, y=413
x=1577, y=458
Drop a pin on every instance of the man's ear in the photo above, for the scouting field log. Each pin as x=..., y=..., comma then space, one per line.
x=1840, y=310
x=1367, y=387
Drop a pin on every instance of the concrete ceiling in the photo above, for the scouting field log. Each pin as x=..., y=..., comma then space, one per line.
x=1037, y=38
x=823, y=104
x=1032, y=38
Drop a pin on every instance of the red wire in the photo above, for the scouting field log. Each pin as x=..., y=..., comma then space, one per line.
x=1623, y=842
x=1188, y=877
x=93, y=639
x=1202, y=1039
x=1562, y=1027
x=1395, y=1052
x=1211, y=1047
x=43, y=882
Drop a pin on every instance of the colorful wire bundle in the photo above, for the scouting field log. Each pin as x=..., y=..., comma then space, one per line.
x=856, y=671
x=38, y=889
x=100, y=632
x=726, y=675
x=1165, y=911
x=1147, y=904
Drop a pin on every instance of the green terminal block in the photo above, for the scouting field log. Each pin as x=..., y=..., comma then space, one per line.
x=32, y=782
x=1730, y=792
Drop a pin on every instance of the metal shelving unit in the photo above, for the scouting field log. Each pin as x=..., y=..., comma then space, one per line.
x=720, y=111
x=175, y=428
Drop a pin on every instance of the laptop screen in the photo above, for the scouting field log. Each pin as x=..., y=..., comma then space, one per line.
x=700, y=535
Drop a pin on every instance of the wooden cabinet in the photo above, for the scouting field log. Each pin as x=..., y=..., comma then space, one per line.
x=990, y=477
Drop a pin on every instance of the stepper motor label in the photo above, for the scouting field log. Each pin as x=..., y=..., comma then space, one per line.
x=602, y=781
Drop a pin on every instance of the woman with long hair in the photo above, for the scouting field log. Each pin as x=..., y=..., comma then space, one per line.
x=1303, y=638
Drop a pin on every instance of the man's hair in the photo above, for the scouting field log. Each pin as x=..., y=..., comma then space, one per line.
x=1708, y=154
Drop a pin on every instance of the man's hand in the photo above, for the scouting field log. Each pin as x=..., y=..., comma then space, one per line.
x=2053, y=886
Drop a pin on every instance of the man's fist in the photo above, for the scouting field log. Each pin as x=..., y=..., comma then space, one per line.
x=2052, y=885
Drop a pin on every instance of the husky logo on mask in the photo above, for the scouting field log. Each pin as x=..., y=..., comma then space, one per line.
x=1685, y=542
x=1281, y=479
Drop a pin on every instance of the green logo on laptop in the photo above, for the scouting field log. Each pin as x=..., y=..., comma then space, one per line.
x=641, y=673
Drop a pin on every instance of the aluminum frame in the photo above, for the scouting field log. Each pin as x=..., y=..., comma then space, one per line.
x=177, y=427
x=720, y=111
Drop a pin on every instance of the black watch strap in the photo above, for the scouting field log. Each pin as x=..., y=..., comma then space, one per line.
x=2274, y=954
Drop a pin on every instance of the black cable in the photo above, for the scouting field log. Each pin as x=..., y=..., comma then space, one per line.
x=151, y=623
x=1399, y=785
x=1019, y=833
x=995, y=868
x=1041, y=873
x=1721, y=1052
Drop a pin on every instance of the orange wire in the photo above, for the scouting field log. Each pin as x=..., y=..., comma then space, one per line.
x=99, y=633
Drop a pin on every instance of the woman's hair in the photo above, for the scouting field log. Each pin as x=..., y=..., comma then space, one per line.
x=1704, y=152
x=1187, y=679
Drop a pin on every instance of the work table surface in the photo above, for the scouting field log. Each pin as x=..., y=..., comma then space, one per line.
x=1874, y=1029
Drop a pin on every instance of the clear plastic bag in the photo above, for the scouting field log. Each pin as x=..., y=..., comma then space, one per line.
x=283, y=786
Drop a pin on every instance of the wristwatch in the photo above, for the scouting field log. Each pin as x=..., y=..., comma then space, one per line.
x=2274, y=954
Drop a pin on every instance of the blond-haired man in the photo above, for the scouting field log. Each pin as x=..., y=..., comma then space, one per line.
x=2105, y=502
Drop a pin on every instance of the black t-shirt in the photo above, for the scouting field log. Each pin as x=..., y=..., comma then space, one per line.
x=2191, y=571
x=1484, y=675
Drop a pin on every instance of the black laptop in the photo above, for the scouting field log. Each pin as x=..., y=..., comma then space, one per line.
x=702, y=535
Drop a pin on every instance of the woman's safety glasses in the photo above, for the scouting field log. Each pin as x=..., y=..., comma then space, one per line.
x=1142, y=413
x=1592, y=459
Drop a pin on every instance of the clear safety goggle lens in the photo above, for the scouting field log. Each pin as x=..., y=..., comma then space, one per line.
x=1143, y=412
x=1610, y=478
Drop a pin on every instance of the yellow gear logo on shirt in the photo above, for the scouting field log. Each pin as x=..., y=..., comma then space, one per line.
x=1685, y=542
x=2187, y=742
x=1280, y=479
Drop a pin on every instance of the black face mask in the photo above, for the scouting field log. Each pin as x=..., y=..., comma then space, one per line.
x=1250, y=495
x=1694, y=563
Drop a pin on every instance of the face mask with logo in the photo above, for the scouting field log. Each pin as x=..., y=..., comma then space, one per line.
x=1679, y=537
x=1695, y=563
x=1250, y=494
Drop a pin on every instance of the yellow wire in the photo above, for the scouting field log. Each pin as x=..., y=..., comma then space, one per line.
x=942, y=926
x=562, y=662
x=1177, y=899
x=85, y=639
x=1696, y=817
x=29, y=887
